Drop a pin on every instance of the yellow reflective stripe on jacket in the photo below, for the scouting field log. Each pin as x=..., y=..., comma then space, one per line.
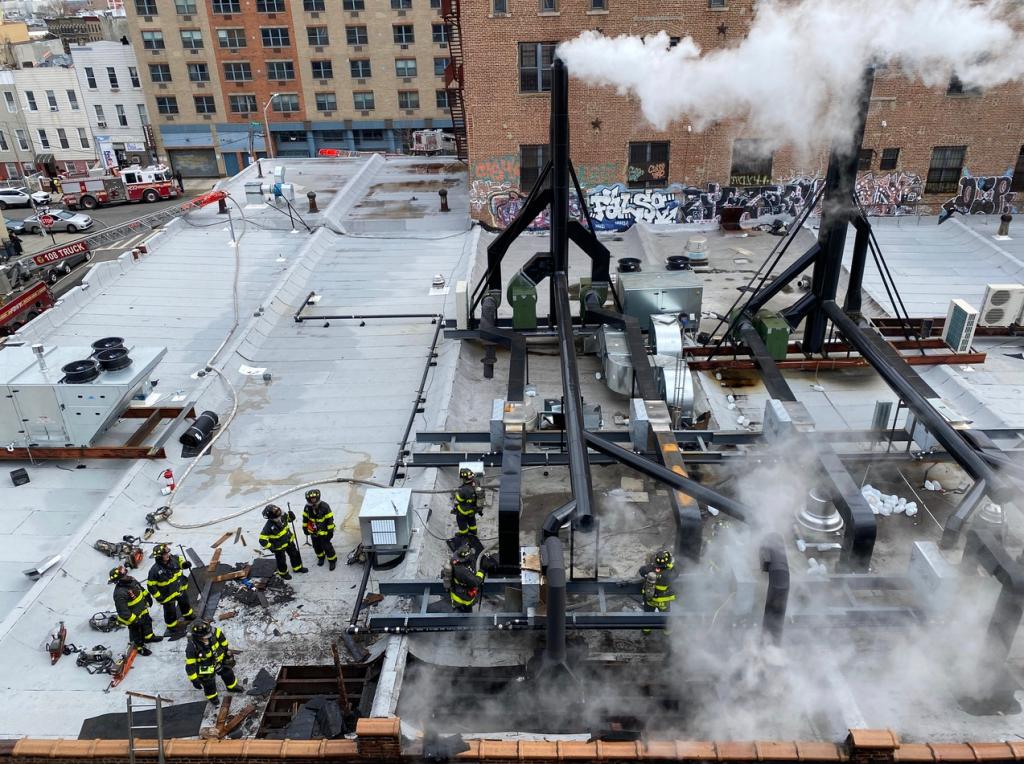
x=459, y=600
x=137, y=600
x=127, y=621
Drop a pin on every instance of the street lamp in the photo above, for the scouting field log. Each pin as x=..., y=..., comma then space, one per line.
x=266, y=124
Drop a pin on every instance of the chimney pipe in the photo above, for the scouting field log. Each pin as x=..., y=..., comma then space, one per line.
x=554, y=572
x=38, y=350
x=1004, y=224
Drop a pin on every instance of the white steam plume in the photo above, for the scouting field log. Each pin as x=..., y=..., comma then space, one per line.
x=796, y=75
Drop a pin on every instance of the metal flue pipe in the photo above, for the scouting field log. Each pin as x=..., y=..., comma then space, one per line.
x=554, y=572
x=560, y=165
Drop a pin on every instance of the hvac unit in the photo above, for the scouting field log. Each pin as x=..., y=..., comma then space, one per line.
x=385, y=520
x=961, y=321
x=1002, y=305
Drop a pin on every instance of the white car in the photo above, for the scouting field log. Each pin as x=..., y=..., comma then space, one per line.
x=63, y=220
x=20, y=197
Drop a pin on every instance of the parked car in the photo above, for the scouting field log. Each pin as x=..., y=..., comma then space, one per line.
x=15, y=226
x=20, y=197
x=63, y=220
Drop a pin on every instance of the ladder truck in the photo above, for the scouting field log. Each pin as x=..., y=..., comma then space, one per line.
x=25, y=284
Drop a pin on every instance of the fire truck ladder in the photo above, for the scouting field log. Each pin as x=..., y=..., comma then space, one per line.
x=151, y=221
x=453, y=77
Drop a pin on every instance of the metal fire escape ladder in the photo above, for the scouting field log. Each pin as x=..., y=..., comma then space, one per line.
x=453, y=77
x=156, y=705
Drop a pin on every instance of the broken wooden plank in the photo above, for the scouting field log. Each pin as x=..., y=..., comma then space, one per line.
x=212, y=567
x=227, y=615
x=263, y=600
x=144, y=430
x=221, y=540
x=238, y=718
x=243, y=539
x=231, y=576
x=238, y=534
x=222, y=714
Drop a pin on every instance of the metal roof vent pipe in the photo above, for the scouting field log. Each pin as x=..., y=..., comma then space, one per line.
x=1004, y=225
x=697, y=250
x=991, y=517
x=819, y=515
x=38, y=350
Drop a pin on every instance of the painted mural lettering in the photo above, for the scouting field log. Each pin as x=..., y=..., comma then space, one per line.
x=616, y=208
x=750, y=180
x=892, y=193
x=984, y=195
x=503, y=169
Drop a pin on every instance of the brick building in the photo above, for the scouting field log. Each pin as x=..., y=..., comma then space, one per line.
x=348, y=74
x=919, y=142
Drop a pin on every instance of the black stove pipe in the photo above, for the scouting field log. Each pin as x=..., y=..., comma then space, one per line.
x=560, y=165
x=554, y=573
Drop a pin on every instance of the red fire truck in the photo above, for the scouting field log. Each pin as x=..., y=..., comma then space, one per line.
x=24, y=284
x=133, y=184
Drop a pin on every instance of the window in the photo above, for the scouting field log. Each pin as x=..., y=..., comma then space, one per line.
x=435, y=4
x=441, y=98
x=439, y=33
x=3, y=142
x=359, y=68
x=716, y=4
x=405, y=67
x=598, y=5
x=83, y=137
x=275, y=37
x=160, y=72
x=313, y=5
x=956, y=87
x=945, y=169
x=133, y=75
x=286, y=102
x=401, y=5
x=227, y=6
x=890, y=158
x=22, y=137
x=499, y=7
x=648, y=164
x=198, y=73
x=12, y=105
x=90, y=77
x=403, y=34
x=535, y=66
x=270, y=6
x=363, y=101
x=231, y=38
x=280, y=70
x=865, y=160
x=143, y=117
x=531, y=161
x=322, y=70
x=205, y=104
x=242, y=104
x=1017, y=184
x=145, y=7
x=237, y=72
x=549, y=6
x=440, y=64
x=185, y=7
x=355, y=35
x=408, y=99
x=191, y=39
x=751, y=163
x=122, y=118
x=318, y=36
x=44, y=141
x=166, y=105
x=51, y=100
x=101, y=118
x=150, y=41
x=62, y=138
x=367, y=136
x=30, y=98
x=353, y=5
x=326, y=102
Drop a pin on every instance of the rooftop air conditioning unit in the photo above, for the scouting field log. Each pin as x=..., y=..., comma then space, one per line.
x=1002, y=305
x=961, y=321
x=385, y=520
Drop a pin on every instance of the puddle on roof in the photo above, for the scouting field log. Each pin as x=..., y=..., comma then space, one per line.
x=434, y=169
x=353, y=498
x=393, y=208
x=414, y=185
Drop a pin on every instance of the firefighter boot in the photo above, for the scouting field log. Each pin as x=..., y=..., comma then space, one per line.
x=319, y=562
x=143, y=650
x=333, y=564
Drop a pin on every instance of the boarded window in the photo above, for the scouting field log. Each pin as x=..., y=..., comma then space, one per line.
x=751, y=163
x=648, y=164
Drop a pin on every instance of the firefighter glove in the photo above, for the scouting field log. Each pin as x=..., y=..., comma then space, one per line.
x=186, y=565
x=291, y=516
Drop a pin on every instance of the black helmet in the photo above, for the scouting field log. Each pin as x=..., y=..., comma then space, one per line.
x=663, y=557
x=313, y=495
x=116, y=574
x=201, y=630
x=271, y=511
x=466, y=475
x=160, y=550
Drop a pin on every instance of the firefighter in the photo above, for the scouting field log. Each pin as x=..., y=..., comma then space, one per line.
x=467, y=580
x=277, y=536
x=206, y=656
x=132, y=601
x=318, y=523
x=658, y=578
x=168, y=583
x=467, y=504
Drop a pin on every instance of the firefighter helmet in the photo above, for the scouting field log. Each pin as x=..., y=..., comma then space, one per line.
x=313, y=495
x=160, y=550
x=663, y=557
x=201, y=630
x=116, y=574
x=271, y=511
x=466, y=475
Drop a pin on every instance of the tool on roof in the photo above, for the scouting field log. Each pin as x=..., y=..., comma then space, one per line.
x=57, y=645
x=121, y=668
x=127, y=550
x=105, y=620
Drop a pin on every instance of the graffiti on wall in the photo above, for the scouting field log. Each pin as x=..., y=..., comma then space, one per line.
x=889, y=193
x=616, y=208
x=983, y=195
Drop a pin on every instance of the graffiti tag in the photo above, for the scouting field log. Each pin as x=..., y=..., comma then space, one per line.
x=985, y=195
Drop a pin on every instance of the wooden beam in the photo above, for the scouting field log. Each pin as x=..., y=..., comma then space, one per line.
x=165, y=412
x=144, y=429
x=221, y=540
x=212, y=567
x=238, y=718
x=231, y=576
x=77, y=453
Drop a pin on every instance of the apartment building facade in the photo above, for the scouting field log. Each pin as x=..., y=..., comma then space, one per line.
x=923, y=147
x=220, y=75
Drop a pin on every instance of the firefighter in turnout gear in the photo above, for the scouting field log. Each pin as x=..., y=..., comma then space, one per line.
x=277, y=536
x=467, y=504
x=131, y=601
x=318, y=524
x=168, y=583
x=207, y=656
x=658, y=578
x=467, y=580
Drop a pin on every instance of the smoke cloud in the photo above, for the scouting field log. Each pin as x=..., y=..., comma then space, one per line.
x=796, y=76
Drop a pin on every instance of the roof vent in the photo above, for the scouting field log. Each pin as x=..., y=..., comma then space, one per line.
x=108, y=343
x=80, y=372
x=113, y=359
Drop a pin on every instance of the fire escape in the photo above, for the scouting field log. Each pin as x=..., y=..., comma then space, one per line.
x=453, y=76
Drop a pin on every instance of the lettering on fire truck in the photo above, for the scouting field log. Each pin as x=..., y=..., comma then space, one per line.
x=35, y=294
x=60, y=253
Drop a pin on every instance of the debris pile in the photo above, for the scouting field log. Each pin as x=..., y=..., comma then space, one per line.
x=886, y=504
x=319, y=717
